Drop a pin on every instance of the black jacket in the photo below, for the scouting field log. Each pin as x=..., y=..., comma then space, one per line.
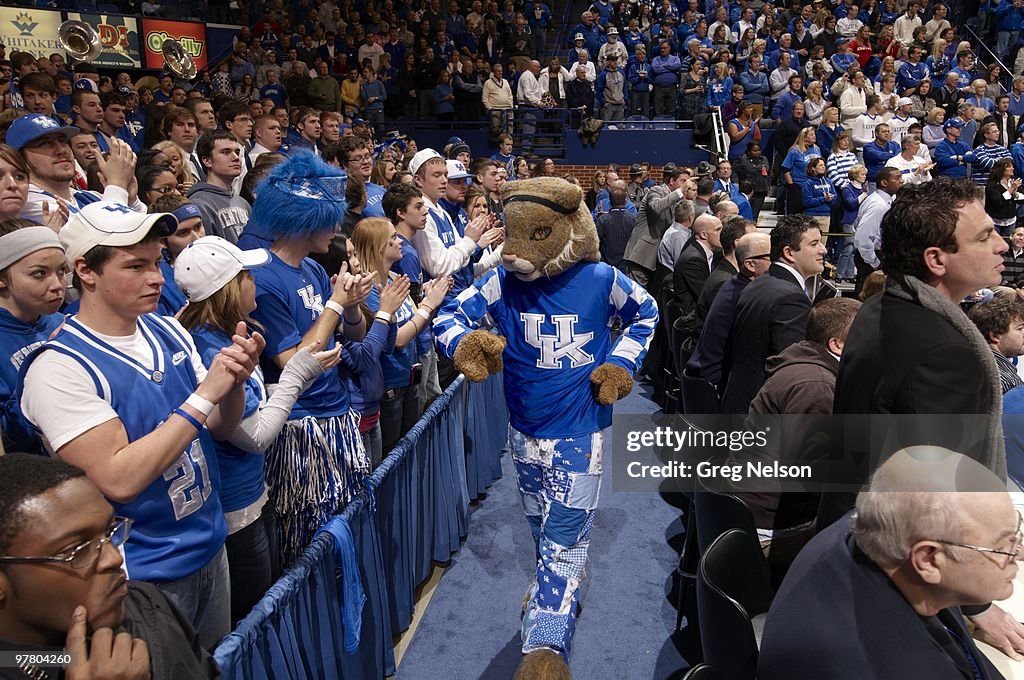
x=838, y=616
x=771, y=315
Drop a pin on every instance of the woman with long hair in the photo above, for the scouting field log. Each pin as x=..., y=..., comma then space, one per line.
x=828, y=129
x=814, y=103
x=922, y=99
x=216, y=276
x=246, y=90
x=993, y=86
x=693, y=88
x=794, y=168
x=33, y=281
x=383, y=172
x=1002, y=194
x=378, y=248
x=520, y=169
x=177, y=159
x=598, y=183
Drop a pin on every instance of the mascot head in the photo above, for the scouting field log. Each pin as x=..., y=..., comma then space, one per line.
x=299, y=198
x=547, y=227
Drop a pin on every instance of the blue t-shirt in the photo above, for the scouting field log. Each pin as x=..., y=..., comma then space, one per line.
x=17, y=340
x=241, y=472
x=796, y=162
x=374, y=200
x=289, y=300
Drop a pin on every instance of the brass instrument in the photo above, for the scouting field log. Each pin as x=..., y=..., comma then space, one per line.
x=79, y=40
x=177, y=60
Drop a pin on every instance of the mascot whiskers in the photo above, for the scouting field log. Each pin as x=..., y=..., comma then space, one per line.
x=552, y=305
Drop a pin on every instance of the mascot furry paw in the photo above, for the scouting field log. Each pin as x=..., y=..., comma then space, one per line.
x=479, y=355
x=552, y=304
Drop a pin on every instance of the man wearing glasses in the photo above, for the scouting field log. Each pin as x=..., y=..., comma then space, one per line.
x=357, y=160
x=878, y=593
x=63, y=586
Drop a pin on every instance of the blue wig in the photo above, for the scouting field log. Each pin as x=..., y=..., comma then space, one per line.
x=300, y=197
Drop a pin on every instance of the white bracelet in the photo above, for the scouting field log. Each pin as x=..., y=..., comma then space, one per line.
x=424, y=313
x=201, y=404
x=383, y=316
x=335, y=307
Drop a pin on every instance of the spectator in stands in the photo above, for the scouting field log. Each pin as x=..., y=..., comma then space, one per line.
x=614, y=229
x=379, y=249
x=497, y=100
x=1013, y=260
x=752, y=167
x=32, y=287
x=771, y=313
x=1003, y=195
x=819, y=194
x=1001, y=323
x=794, y=167
x=44, y=146
x=915, y=169
x=801, y=380
x=734, y=227
x=753, y=259
x=267, y=137
x=579, y=93
x=91, y=610
x=988, y=152
x=224, y=214
x=698, y=258
x=611, y=91
x=854, y=193
x=867, y=229
x=952, y=155
x=640, y=83
x=307, y=124
x=654, y=216
x=123, y=448
x=879, y=151
x=917, y=550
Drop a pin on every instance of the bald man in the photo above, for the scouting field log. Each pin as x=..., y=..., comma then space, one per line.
x=698, y=258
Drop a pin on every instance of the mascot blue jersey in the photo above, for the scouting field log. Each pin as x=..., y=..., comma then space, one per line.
x=178, y=520
x=289, y=300
x=558, y=332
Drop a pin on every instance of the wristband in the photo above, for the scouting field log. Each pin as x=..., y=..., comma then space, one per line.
x=184, y=414
x=204, y=406
x=423, y=313
x=383, y=316
x=335, y=307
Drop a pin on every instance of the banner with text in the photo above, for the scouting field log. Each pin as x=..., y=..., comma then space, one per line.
x=191, y=36
x=30, y=30
x=119, y=36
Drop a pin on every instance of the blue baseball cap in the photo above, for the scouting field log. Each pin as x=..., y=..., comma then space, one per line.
x=29, y=128
x=951, y=123
x=86, y=84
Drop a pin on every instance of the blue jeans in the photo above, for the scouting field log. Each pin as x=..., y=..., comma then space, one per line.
x=399, y=411
x=372, y=444
x=559, y=481
x=842, y=254
x=252, y=562
x=204, y=599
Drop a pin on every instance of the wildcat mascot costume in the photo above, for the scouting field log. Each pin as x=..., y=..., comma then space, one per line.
x=552, y=305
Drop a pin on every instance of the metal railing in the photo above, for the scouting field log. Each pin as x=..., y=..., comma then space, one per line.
x=1007, y=73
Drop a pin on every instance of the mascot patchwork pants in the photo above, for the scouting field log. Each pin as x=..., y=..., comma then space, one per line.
x=559, y=480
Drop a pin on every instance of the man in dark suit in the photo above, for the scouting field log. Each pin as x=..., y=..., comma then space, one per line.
x=732, y=229
x=696, y=260
x=949, y=96
x=771, y=314
x=1005, y=121
x=878, y=595
x=753, y=255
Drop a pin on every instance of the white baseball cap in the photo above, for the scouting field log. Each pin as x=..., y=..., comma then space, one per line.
x=105, y=223
x=421, y=157
x=904, y=101
x=456, y=170
x=209, y=263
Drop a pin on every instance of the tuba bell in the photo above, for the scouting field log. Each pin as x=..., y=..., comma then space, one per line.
x=177, y=60
x=79, y=40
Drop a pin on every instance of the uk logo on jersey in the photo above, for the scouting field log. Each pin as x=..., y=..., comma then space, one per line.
x=566, y=343
x=312, y=301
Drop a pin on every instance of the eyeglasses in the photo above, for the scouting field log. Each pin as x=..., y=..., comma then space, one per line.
x=166, y=190
x=85, y=555
x=1015, y=545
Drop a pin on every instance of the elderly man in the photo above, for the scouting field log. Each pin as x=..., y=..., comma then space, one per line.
x=878, y=594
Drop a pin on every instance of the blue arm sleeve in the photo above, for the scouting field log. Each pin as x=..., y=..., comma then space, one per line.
x=639, y=315
x=464, y=313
